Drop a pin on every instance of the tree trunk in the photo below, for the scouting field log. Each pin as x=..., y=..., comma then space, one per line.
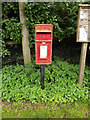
x=25, y=33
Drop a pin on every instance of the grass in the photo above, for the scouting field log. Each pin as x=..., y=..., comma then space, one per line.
x=39, y=110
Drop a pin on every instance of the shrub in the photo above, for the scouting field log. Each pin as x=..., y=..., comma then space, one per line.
x=11, y=30
x=3, y=51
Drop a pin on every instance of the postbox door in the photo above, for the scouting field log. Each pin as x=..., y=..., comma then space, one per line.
x=43, y=53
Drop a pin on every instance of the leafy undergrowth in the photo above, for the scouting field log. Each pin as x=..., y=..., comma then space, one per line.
x=19, y=83
x=37, y=110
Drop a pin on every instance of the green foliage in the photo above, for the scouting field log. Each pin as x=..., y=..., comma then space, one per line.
x=3, y=51
x=63, y=17
x=61, y=85
x=11, y=30
x=11, y=27
x=9, y=10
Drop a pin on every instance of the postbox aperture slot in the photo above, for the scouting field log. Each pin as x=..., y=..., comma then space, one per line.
x=43, y=32
x=43, y=36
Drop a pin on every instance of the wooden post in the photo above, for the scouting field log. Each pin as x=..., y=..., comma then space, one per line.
x=25, y=33
x=82, y=62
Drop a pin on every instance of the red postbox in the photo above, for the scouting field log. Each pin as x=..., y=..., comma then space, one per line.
x=43, y=43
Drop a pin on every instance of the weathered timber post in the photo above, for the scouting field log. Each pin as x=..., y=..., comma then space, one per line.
x=82, y=62
x=25, y=33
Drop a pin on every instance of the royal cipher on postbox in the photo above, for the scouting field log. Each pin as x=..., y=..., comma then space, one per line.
x=43, y=43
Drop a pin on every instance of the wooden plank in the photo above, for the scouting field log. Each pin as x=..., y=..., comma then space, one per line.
x=13, y=42
x=82, y=62
x=77, y=40
x=84, y=5
x=85, y=41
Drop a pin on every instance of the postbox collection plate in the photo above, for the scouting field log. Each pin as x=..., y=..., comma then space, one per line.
x=43, y=43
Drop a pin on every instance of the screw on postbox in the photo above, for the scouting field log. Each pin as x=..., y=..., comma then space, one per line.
x=43, y=46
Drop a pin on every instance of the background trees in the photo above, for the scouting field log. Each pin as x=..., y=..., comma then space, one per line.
x=63, y=16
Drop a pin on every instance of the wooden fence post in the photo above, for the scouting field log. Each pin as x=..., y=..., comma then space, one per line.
x=82, y=62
